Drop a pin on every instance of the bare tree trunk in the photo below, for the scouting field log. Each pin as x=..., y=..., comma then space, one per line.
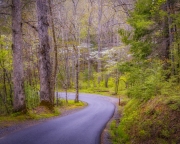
x=18, y=75
x=77, y=78
x=88, y=45
x=99, y=39
x=76, y=50
x=44, y=54
x=54, y=61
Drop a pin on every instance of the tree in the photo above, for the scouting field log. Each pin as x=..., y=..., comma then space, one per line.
x=76, y=49
x=44, y=54
x=54, y=61
x=99, y=39
x=18, y=81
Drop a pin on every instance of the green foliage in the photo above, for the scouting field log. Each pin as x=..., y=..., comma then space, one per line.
x=155, y=10
x=5, y=75
x=92, y=86
x=145, y=21
x=32, y=96
x=145, y=79
x=141, y=49
x=140, y=18
x=125, y=36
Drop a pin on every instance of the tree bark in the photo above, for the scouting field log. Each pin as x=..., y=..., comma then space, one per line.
x=18, y=75
x=44, y=54
x=54, y=61
x=76, y=50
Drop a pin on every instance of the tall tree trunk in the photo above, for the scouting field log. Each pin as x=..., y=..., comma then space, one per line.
x=18, y=75
x=99, y=39
x=54, y=61
x=89, y=45
x=44, y=54
x=76, y=49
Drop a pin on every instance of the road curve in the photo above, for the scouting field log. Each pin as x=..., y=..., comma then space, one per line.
x=82, y=127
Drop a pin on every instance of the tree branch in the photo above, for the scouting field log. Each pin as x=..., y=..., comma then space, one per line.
x=29, y=24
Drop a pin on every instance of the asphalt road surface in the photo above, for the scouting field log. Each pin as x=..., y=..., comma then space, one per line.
x=82, y=127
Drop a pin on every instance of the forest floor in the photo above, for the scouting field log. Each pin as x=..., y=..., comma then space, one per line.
x=16, y=122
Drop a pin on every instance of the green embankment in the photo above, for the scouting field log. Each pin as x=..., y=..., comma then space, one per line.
x=156, y=121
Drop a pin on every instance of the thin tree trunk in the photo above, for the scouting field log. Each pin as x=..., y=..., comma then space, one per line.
x=77, y=77
x=99, y=39
x=18, y=75
x=66, y=95
x=44, y=54
x=89, y=48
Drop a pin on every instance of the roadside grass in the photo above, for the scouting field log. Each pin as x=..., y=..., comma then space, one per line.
x=39, y=113
x=71, y=104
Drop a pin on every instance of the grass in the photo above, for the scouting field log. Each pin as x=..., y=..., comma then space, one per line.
x=38, y=113
x=71, y=104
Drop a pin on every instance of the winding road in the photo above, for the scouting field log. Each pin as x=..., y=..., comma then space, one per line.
x=82, y=127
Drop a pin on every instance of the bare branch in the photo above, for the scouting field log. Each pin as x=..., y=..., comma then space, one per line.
x=4, y=13
x=29, y=24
